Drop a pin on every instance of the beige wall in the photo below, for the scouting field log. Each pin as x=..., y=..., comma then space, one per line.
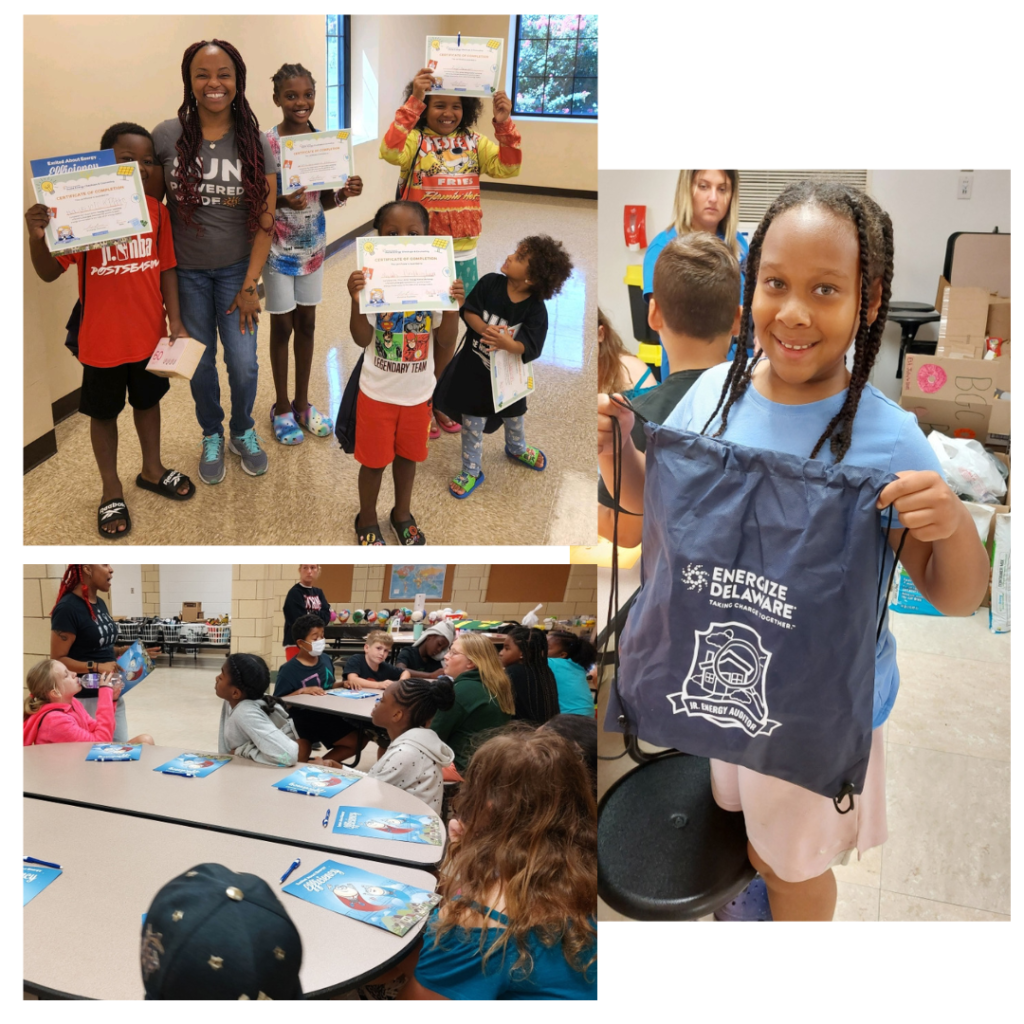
x=151, y=590
x=41, y=583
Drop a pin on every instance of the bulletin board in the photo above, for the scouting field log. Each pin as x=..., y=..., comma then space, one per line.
x=517, y=584
x=336, y=583
x=449, y=577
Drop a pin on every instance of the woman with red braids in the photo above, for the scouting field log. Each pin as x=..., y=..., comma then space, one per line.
x=221, y=191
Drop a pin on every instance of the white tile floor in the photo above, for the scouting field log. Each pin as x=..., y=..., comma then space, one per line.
x=947, y=782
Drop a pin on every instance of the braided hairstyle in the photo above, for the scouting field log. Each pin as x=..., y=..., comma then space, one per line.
x=73, y=575
x=423, y=698
x=874, y=233
x=286, y=71
x=247, y=138
x=420, y=209
x=250, y=674
x=576, y=648
x=540, y=701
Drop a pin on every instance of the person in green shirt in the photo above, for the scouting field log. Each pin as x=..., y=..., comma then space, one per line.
x=483, y=696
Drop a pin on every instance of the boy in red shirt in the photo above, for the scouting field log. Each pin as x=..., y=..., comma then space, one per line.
x=128, y=284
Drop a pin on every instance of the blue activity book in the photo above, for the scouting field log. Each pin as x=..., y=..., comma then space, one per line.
x=195, y=766
x=37, y=878
x=354, y=694
x=135, y=665
x=114, y=752
x=380, y=824
x=352, y=892
x=73, y=162
x=317, y=780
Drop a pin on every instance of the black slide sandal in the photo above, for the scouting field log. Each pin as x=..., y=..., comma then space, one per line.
x=111, y=510
x=168, y=486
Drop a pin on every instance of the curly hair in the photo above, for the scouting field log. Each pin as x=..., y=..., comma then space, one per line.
x=304, y=625
x=421, y=210
x=247, y=137
x=576, y=648
x=874, y=234
x=423, y=698
x=550, y=265
x=471, y=107
x=538, y=700
x=115, y=131
x=529, y=823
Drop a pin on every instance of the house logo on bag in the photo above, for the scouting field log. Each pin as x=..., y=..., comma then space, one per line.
x=726, y=680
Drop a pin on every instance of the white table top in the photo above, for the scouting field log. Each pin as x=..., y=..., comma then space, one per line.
x=357, y=710
x=113, y=866
x=237, y=798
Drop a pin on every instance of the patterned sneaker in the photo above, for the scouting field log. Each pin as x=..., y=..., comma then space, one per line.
x=254, y=458
x=314, y=421
x=211, y=463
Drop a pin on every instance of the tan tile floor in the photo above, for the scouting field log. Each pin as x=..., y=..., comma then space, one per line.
x=947, y=779
x=308, y=495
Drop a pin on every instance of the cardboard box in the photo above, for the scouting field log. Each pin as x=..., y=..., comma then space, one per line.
x=998, y=323
x=192, y=611
x=963, y=328
x=176, y=358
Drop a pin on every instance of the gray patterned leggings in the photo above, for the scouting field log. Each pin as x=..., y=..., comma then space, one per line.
x=473, y=440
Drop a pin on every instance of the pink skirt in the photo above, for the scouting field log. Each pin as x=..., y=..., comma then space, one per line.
x=797, y=833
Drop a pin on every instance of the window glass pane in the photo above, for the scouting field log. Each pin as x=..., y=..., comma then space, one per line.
x=561, y=57
x=332, y=62
x=586, y=57
x=332, y=108
x=588, y=25
x=332, y=24
x=585, y=96
x=558, y=96
x=533, y=26
x=556, y=65
x=564, y=25
x=532, y=57
x=530, y=96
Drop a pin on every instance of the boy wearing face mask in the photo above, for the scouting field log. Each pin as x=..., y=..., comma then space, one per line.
x=311, y=672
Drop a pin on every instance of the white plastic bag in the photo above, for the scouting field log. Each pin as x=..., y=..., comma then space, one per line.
x=999, y=612
x=530, y=618
x=968, y=468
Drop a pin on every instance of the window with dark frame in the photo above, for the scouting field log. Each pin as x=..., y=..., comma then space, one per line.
x=555, y=65
x=339, y=101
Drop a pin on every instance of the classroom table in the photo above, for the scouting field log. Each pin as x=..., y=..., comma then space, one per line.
x=237, y=798
x=82, y=932
x=356, y=710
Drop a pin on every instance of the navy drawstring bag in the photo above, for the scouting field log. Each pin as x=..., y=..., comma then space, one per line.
x=752, y=638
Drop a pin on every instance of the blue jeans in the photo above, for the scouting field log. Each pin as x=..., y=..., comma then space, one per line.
x=204, y=296
x=473, y=440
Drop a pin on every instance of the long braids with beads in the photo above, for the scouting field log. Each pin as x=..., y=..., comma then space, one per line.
x=247, y=139
x=73, y=576
x=874, y=235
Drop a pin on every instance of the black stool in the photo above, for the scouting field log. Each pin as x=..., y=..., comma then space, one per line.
x=665, y=850
x=910, y=316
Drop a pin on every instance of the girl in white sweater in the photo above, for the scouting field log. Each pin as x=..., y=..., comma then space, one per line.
x=253, y=723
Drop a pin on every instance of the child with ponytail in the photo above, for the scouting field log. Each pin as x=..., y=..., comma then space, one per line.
x=570, y=657
x=253, y=723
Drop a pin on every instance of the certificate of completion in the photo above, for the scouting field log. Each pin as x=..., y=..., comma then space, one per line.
x=316, y=160
x=93, y=207
x=511, y=378
x=406, y=272
x=464, y=65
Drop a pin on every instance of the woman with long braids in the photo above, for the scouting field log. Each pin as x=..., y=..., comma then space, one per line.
x=219, y=169
x=524, y=656
x=818, y=281
x=253, y=723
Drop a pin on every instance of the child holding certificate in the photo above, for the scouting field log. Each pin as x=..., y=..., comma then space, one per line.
x=124, y=290
x=396, y=382
x=294, y=273
x=506, y=312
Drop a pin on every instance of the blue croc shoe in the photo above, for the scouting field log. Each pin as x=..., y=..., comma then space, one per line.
x=286, y=430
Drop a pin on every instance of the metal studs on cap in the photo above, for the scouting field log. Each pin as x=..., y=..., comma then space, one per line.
x=279, y=952
x=191, y=874
x=216, y=962
x=177, y=915
x=234, y=893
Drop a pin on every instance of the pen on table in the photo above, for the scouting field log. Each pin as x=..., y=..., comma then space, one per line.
x=327, y=818
x=295, y=863
x=45, y=863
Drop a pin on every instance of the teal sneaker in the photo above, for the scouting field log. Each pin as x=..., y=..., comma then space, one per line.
x=254, y=458
x=211, y=462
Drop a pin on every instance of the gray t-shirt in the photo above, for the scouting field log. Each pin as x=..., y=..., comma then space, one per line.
x=225, y=239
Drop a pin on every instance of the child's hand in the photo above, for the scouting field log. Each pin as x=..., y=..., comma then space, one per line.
x=422, y=83
x=153, y=652
x=313, y=691
x=406, y=674
x=352, y=187
x=296, y=200
x=457, y=292
x=356, y=283
x=455, y=830
x=176, y=330
x=501, y=107
x=927, y=506
x=607, y=410
x=495, y=337
x=36, y=219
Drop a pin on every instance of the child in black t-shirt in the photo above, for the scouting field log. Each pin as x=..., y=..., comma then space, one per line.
x=503, y=312
x=370, y=670
x=311, y=672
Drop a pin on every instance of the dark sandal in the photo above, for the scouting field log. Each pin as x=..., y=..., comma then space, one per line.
x=368, y=536
x=407, y=532
x=168, y=485
x=110, y=511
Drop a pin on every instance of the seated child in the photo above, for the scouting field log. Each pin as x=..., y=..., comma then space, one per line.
x=253, y=723
x=396, y=384
x=370, y=670
x=312, y=672
x=54, y=716
x=416, y=755
x=423, y=657
x=524, y=656
x=504, y=311
x=569, y=657
x=694, y=310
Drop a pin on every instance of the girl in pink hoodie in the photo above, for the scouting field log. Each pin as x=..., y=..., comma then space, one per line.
x=56, y=717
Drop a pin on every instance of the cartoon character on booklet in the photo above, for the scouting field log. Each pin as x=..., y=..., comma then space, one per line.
x=113, y=748
x=394, y=825
x=318, y=781
x=136, y=668
x=376, y=297
x=65, y=234
x=196, y=762
x=354, y=899
x=294, y=181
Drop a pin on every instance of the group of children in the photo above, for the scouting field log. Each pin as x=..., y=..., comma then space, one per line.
x=411, y=381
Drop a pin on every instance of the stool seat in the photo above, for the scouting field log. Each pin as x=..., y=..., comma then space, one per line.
x=910, y=307
x=665, y=850
x=910, y=316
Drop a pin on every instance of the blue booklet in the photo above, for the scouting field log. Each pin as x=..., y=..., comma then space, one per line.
x=352, y=892
x=135, y=665
x=380, y=824
x=195, y=766
x=74, y=162
x=318, y=780
x=114, y=752
x=354, y=694
x=37, y=878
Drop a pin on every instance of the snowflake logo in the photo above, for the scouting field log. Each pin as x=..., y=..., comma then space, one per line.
x=695, y=577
